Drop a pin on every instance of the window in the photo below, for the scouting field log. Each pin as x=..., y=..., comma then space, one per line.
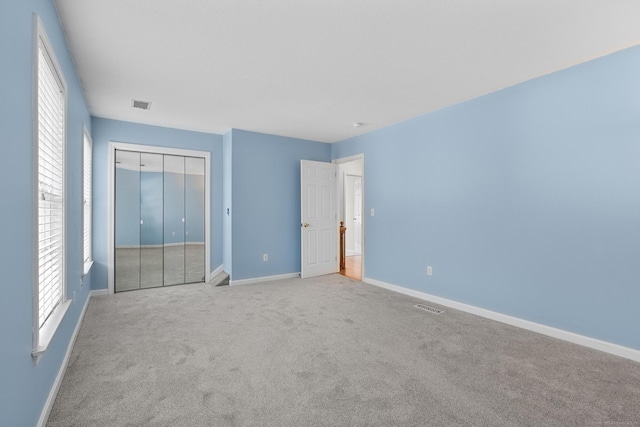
x=50, y=302
x=87, y=257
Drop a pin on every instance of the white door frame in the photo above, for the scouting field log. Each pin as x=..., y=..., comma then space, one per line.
x=340, y=202
x=113, y=146
x=346, y=175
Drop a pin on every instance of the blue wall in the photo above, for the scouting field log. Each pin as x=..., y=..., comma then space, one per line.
x=25, y=387
x=127, y=206
x=194, y=209
x=106, y=130
x=266, y=201
x=174, y=228
x=151, y=208
x=179, y=201
x=525, y=201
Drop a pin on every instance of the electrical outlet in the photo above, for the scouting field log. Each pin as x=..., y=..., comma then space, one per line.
x=265, y=257
x=74, y=297
x=429, y=270
x=373, y=212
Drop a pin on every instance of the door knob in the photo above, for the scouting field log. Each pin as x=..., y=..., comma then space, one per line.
x=306, y=224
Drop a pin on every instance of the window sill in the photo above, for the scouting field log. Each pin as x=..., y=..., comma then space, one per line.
x=48, y=330
x=87, y=268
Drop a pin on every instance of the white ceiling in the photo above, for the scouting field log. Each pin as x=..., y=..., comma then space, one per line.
x=311, y=68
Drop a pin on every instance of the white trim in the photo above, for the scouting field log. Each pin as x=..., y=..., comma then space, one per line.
x=53, y=393
x=35, y=286
x=348, y=159
x=596, y=344
x=86, y=268
x=264, y=279
x=42, y=336
x=110, y=222
x=217, y=271
x=49, y=329
x=99, y=292
x=340, y=197
x=87, y=263
x=113, y=146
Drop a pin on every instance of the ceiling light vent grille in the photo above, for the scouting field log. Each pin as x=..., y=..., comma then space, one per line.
x=143, y=105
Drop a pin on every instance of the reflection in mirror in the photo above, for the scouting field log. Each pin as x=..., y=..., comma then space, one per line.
x=127, y=221
x=159, y=220
x=174, y=220
x=194, y=212
x=151, y=248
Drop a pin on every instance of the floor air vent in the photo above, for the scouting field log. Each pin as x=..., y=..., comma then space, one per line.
x=429, y=309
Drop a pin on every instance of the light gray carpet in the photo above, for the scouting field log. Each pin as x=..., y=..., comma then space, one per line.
x=150, y=267
x=328, y=351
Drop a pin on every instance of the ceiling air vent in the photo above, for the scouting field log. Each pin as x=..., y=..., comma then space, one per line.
x=143, y=105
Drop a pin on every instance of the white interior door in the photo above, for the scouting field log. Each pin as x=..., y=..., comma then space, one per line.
x=318, y=214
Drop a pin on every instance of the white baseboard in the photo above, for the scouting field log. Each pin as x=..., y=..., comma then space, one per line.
x=607, y=347
x=264, y=279
x=217, y=271
x=44, y=415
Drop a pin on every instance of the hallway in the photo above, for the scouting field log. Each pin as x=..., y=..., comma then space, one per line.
x=353, y=267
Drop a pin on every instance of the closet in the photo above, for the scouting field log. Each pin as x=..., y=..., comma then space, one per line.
x=159, y=224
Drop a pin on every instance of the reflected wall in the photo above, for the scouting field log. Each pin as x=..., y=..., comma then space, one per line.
x=159, y=220
x=194, y=213
x=127, y=213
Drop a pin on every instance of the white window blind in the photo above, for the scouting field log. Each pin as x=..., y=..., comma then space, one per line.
x=86, y=154
x=51, y=154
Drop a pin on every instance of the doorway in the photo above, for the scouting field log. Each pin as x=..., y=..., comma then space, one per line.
x=159, y=217
x=350, y=210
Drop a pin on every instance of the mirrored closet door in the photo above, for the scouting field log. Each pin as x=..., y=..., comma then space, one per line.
x=159, y=220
